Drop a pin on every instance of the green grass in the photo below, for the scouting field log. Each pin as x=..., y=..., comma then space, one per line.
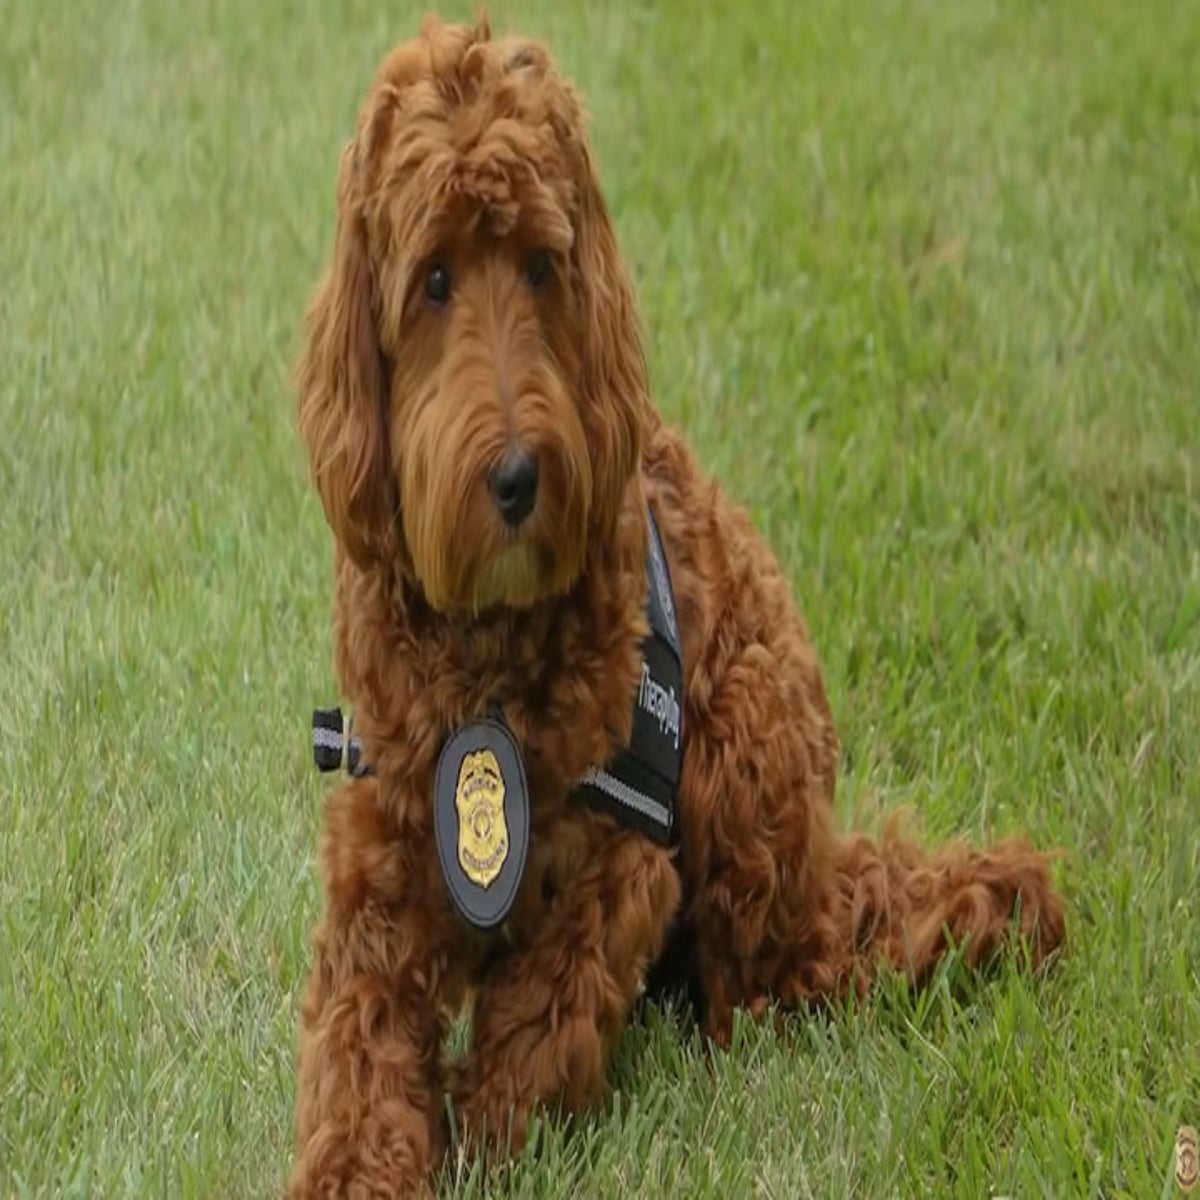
x=923, y=282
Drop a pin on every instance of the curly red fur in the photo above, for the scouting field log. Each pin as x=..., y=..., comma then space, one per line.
x=470, y=159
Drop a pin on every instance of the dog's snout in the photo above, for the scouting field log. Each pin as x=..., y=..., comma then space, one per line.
x=513, y=483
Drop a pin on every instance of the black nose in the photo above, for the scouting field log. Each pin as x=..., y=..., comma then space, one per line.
x=513, y=483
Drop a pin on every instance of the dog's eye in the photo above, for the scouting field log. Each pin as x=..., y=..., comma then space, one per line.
x=437, y=284
x=537, y=269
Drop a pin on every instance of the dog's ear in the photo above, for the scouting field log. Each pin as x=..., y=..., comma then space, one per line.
x=616, y=408
x=343, y=385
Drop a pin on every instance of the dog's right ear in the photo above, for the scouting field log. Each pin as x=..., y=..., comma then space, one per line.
x=343, y=385
x=617, y=411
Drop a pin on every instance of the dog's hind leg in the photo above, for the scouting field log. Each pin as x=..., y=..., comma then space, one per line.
x=551, y=1009
x=781, y=908
x=760, y=900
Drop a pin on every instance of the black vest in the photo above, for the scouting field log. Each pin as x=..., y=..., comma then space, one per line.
x=639, y=785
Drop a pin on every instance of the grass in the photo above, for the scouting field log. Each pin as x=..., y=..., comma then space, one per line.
x=923, y=282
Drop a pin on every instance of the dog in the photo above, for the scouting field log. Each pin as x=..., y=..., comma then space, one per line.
x=516, y=529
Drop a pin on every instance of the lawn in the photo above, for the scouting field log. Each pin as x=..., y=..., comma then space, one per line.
x=923, y=282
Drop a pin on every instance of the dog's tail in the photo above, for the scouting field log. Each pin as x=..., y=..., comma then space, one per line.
x=900, y=903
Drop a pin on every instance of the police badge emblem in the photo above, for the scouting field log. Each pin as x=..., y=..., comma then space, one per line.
x=481, y=820
x=482, y=830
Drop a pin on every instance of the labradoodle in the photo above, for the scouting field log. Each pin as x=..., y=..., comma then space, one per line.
x=596, y=750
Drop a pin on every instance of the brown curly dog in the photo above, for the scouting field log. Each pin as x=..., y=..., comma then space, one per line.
x=475, y=404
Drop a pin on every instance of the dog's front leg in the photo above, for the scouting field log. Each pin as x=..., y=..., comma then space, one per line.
x=369, y=1092
x=550, y=1011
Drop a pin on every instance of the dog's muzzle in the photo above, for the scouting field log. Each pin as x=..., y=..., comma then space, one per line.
x=513, y=484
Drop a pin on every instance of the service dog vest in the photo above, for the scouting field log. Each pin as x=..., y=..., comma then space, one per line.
x=639, y=785
x=485, y=849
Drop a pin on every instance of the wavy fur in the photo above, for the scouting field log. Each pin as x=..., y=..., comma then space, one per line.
x=470, y=157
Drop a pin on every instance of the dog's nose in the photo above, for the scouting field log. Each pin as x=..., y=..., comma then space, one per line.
x=513, y=483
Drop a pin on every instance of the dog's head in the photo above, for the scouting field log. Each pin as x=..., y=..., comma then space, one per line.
x=473, y=391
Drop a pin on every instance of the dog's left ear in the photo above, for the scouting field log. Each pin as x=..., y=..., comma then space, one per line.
x=343, y=386
x=616, y=408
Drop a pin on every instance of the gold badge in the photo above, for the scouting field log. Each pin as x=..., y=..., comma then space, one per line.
x=1187, y=1158
x=482, y=830
x=481, y=820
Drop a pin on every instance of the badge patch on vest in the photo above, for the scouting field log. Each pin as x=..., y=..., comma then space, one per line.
x=481, y=820
x=482, y=830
